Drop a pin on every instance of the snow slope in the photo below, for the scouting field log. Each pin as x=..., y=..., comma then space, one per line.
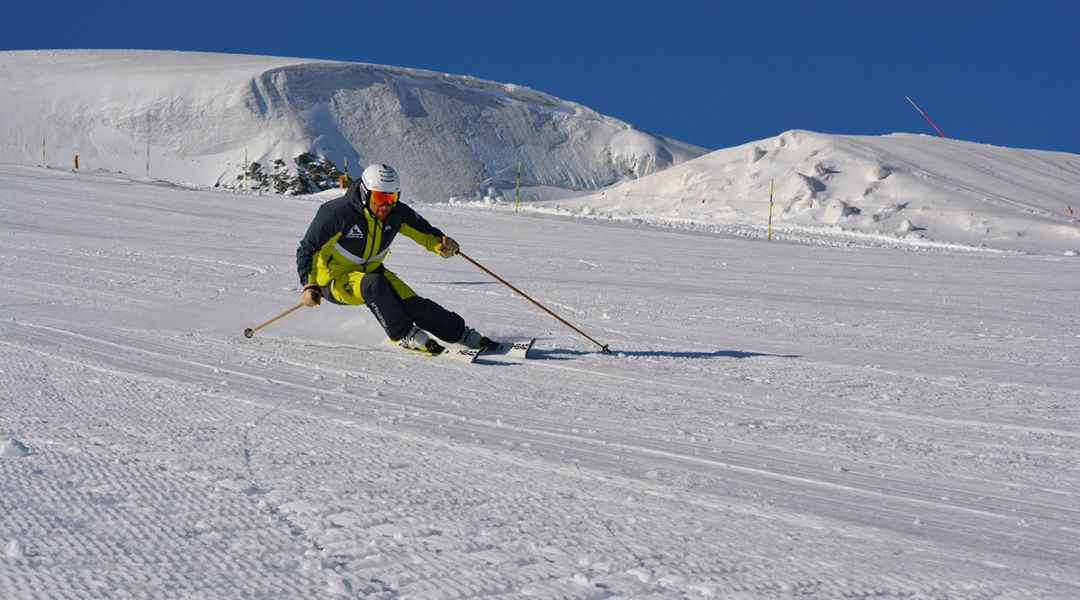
x=898, y=189
x=203, y=113
x=780, y=420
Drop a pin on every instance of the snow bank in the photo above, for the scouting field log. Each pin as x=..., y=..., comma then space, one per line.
x=914, y=189
x=201, y=114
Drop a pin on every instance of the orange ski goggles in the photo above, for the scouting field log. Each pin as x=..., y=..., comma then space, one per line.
x=379, y=198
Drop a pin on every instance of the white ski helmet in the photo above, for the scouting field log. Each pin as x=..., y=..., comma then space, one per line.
x=379, y=178
x=379, y=184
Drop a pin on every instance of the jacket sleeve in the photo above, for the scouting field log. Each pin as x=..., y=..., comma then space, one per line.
x=322, y=228
x=417, y=228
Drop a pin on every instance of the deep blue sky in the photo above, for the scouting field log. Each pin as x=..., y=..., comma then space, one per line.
x=713, y=73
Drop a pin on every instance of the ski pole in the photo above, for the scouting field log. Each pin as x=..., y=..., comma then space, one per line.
x=603, y=347
x=250, y=331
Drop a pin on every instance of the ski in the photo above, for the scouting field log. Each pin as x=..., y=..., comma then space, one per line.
x=510, y=349
x=455, y=352
x=462, y=353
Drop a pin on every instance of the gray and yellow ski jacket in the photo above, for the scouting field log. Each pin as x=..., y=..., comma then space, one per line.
x=345, y=241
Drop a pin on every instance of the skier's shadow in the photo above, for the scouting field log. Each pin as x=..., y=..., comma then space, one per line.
x=566, y=354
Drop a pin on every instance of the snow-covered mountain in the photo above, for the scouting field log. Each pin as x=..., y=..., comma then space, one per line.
x=896, y=189
x=201, y=114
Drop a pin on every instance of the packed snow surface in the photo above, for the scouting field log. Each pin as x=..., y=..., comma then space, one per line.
x=777, y=420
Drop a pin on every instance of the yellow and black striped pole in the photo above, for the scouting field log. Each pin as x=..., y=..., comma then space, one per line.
x=770, y=208
x=517, y=187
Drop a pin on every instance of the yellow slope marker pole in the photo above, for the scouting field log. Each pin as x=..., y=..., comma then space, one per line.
x=770, y=208
x=517, y=188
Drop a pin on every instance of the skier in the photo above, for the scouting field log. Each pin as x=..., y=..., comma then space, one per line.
x=341, y=256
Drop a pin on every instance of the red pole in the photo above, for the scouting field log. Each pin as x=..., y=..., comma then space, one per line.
x=925, y=117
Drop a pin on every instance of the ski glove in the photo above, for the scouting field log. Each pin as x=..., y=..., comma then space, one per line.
x=310, y=296
x=447, y=247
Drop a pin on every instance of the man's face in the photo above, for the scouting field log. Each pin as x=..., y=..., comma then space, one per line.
x=381, y=211
x=381, y=203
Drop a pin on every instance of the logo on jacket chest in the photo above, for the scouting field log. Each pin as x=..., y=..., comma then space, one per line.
x=355, y=233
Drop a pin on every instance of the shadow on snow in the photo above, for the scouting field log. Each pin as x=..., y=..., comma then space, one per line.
x=566, y=354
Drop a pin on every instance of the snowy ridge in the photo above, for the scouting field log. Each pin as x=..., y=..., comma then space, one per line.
x=201, y=112
x=909, y=189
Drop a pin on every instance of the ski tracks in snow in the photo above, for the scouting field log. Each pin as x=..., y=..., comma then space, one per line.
x=701, y=480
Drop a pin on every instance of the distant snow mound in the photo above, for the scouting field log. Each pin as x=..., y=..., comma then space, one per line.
x=909, y=189
x=639, y=153
x=802, y=187
x=200, y=118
